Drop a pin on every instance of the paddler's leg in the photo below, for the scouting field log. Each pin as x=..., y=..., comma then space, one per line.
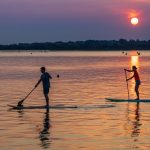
x=46, y=92
x=47, y=99
x=137, y=89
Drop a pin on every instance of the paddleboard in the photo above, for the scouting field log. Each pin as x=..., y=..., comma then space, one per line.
x=60, y=107
x=128, y=100
x=41, y=107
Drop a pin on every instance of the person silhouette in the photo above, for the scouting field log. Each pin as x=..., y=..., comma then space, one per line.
x=45, y=78
x=137, y=80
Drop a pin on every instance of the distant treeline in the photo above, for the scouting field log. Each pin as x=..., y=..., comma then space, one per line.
x=121, y=44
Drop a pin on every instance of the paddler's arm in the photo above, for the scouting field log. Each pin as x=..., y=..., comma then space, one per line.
x=130, y=78
x=50, y=76
x=38, y=83
x=128, y=70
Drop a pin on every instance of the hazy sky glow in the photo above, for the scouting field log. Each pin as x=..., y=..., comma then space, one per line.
x=64, y=20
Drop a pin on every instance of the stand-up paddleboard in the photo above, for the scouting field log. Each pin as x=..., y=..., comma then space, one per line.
x=128, y=100
x=60, y=107
x=41, y=107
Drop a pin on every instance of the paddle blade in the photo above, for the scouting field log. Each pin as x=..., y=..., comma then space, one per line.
x=20, y=102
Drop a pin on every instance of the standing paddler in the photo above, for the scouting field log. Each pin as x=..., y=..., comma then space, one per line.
x=137, y=80
x=45, y=78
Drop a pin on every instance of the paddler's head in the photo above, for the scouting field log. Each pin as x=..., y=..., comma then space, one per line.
x=43, y=69
x=134, y=68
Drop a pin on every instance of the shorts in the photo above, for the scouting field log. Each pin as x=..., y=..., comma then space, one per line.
x=46, y=90
x=137, y=83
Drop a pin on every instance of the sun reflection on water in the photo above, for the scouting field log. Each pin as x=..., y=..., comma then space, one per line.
x=134, y=61
x=133, y=124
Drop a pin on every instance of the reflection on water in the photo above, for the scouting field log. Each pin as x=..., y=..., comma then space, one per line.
x=136, y=122
x=133, y=118
x=44, y=134
x=133, y=124
x=135, y=61
x=86, y=79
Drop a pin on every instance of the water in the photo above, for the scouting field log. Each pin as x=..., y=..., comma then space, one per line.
x=86, y=79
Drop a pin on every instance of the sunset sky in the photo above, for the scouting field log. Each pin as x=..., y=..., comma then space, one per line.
x=71, y=20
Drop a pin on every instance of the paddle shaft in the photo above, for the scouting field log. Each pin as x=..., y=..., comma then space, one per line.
x=127, y=83
x=29, y=93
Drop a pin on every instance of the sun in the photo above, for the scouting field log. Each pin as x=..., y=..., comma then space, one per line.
x=134, y=21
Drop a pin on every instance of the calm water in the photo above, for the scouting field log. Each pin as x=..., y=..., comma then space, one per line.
x=86, y=79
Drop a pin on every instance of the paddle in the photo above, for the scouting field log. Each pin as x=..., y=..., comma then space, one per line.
x=127, y=83
x=20, y=102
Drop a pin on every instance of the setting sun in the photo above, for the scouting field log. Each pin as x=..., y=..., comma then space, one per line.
x=134, y=21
